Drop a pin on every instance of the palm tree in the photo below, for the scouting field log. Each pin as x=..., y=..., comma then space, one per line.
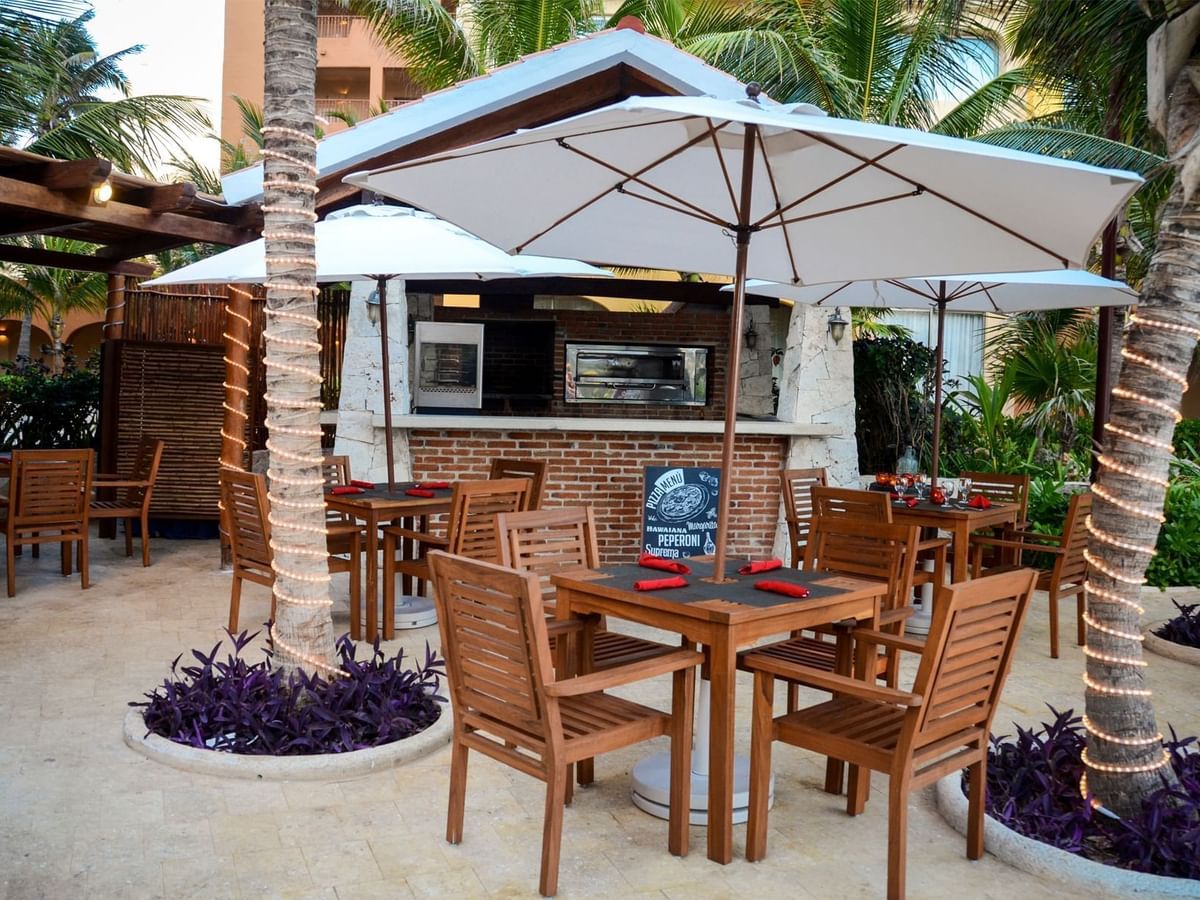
x=51, y=293
x=51, y=100
x=303, y=629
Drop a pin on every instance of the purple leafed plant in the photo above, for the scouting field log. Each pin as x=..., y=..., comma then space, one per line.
x=1033, y=788
x=1184, y=628
x=235, y=706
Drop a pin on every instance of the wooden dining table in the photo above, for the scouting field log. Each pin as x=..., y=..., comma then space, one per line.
x=957, y=518
x=722, y=618
x=375, y=507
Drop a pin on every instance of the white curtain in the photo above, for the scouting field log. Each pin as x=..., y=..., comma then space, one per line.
x=963, y=340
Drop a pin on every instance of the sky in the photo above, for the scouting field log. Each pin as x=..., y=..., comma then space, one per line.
x=183, y=41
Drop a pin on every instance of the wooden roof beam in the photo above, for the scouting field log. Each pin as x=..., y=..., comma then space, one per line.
x=139, y=246
x=62, y=175
x=159, y=199
x=35, y=256
x=23, y=195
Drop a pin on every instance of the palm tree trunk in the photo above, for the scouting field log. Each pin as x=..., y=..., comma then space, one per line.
x=26, y=336
x=303, y=629
x=1126, y=759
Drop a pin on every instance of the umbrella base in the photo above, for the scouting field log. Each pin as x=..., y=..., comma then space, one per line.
x=652, y=789
x=415, y=612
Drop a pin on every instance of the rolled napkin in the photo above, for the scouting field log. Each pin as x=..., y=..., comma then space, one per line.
x=419, y=492
x=910, y=502
x=363, y=484
x=760, y=565
x=650, y=561
x=894, y=495
x=782, y=587
x=434, y=485
x=979, y=501
x=659, y=584
x=345, y=489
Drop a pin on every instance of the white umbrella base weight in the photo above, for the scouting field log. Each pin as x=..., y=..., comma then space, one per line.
x=415, y=612
x=652, y=789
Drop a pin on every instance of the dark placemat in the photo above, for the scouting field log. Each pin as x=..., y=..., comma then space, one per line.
x=380, y=491
x=740, y=591
x=926, y=506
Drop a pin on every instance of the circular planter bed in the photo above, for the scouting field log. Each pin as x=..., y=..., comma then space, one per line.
x=1073, y=872
x=311, y=767
x=1170, y=649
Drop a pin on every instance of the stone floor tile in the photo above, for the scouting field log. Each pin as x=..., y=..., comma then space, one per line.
x=143, y=881
x=446, y=883
x=201, y=878
x=347, y=861
x=231, y=834
x=274, y=872
x=374, y=890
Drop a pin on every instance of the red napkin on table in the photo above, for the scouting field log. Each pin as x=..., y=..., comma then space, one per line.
x=760, y=565
x=362, y=484
x=345, y=489
x=979, y=501
x=434, y=485
x=650, y=561
x=418, y=492
x=659, y=584
x=894, y=495
x=910, y=502
x=782, y=587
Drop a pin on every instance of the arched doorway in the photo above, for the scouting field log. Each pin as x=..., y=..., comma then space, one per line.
x=84, y=340
x=10, y=335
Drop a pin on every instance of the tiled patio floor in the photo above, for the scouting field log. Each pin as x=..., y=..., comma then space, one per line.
x=81, y=815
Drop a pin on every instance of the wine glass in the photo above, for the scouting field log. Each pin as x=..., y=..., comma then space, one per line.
x=966, y=489
x=922, y=485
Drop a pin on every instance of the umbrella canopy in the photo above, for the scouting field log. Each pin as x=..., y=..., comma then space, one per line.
x=1014, y=292
x=679, y=182
x=361, y=243
x=378, y=243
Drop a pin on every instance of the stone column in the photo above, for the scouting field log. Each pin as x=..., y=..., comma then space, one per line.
x=361, y=396
x=817, y=386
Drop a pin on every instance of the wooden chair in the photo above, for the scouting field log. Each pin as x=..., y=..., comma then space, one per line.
x=133, y=494
x=508, y=705
x=549, y=541
x=244, y=496
x=471, y=532
x=797, y=506
x=48, y=504
x=533, y=469
x=917, y=737
x=1003, y=488
x=1066, y=575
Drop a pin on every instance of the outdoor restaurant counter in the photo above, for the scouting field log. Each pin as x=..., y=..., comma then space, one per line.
x=635, y=426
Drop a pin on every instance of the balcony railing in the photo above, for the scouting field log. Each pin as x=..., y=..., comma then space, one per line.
x=360, y=109
x=335, y=26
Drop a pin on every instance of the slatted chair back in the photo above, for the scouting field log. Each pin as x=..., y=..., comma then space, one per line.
x=244, y=496
x=496, y=649
x=1002, y=488
x=533, y=469
x=796, y=485
x=1070, y=566
x=336, y=472
x=145, y=468
x=473, y=510
x=52, y=488
x=967, y=657
x=854, y=546
x=875, y=506
x=546, y=541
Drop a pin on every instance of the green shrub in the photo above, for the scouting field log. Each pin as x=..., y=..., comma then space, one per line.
x=1178, y=559
x=39, y=410
x=1187, y=440
x=892, y=409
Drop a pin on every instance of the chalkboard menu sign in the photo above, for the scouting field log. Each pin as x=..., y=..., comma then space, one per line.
x=679, y=511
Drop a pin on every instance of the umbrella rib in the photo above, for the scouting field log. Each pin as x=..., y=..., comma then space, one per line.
x=701, y=215
x=787, y=238
x=988, y=293
x=826, y=186
x=905, y=286
x=712, y=133
x=836, y=290
x=829, y=212
x=921, y=188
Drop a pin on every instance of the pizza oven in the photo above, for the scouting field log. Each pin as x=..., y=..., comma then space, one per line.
x=622, y=373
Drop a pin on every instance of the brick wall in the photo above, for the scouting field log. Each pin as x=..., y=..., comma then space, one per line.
x=605, y=471
x=690, y=328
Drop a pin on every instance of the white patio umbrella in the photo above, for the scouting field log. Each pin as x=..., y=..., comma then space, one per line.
x=678, y=182
x=379, y=243
x=1014, y=292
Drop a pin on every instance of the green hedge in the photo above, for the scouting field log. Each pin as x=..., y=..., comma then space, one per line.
x=39, y=410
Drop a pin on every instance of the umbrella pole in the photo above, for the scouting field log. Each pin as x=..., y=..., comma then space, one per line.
x=735, y=353
x=939, y=355
x=387, y=385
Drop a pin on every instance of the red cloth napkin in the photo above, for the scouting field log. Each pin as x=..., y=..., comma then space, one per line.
x=345, y=489
x=782, y=587
x=362, y=484
x=979, y=501
x=418, y=492
x=910, y=502
x=434, y=485
x=760, y=565
x=894, y=495
x=659, y=584
x=650, y=561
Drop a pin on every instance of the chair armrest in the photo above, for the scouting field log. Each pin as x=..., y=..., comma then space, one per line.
x=838, y=684
x=1021, y=534
x=115, y=482
x=895, y=641
x=556, y=627
x=635, y=671
x=984, y=541
x=933, y=544
x=423, y=536
x=891, y=616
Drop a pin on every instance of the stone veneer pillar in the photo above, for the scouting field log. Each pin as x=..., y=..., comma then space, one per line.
x=361, y=396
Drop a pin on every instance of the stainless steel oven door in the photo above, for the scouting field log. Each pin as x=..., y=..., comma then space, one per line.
x=612, y=373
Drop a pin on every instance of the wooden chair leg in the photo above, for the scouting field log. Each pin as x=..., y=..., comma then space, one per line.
x=145, y=523
x=356, y=590
x=761, y=735
x=897, y=836
x=1080, y=631
x=793, y=696
x=683, y=688
x=235, y=603
x=10, y=571
x=129, y=537
x=64, y=554
x=857, y=788
x=977, y=775
x=1053, y=595
x=84, y=581
x=556, y=789
x=458, y=792
x=389, y=582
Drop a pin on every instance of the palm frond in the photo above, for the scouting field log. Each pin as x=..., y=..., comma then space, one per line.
x=1066, y=143
x=992, y=105
x=434, y=46
x=661, y=18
